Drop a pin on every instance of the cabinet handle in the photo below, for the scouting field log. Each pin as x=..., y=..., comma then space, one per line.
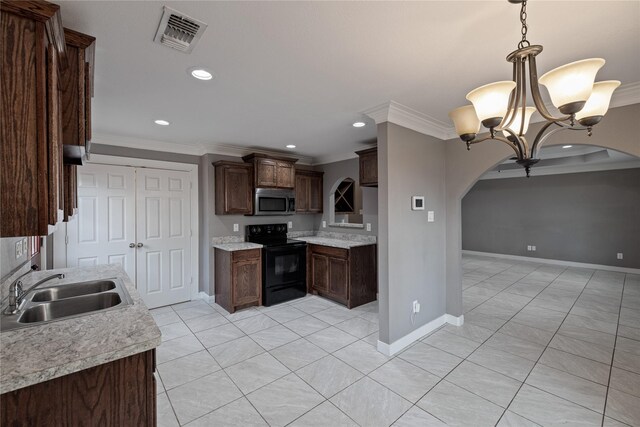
x=140, y=245
x=132, y=245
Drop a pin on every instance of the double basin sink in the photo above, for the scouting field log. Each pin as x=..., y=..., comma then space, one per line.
x=65, y=301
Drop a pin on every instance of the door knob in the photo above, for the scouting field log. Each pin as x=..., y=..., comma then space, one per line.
x=140, y=245
x=132, y=245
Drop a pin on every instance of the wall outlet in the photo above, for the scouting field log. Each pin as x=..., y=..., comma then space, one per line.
x=529, y=247
x=18, y=249
x=25, y=246
x=620, y=256
x=368, y=226
x=324, y=224
x=431, y=215
x=416, y=306
x=236, y=227
x=533, y=248
x=290, y=224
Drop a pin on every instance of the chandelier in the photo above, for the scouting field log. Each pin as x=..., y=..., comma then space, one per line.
x=502, y=106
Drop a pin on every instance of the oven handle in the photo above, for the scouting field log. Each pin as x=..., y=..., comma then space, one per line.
x=286, y=248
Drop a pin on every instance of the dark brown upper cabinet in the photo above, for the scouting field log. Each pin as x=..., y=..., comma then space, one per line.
x=308, y=191
x=33, y=52
x=77, y=89
x=272, y=172
x=368, y=167
x=234, y=189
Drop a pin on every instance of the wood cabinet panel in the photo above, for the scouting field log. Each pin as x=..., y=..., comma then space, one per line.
x=118, y=393
x=233, y=188
x=244, y=276
x=238, y=278
x=339, y=277
x=266, y=173
x=368, y=167
x=285, y=175
x=319, y=272
x=308, y=191
x=55, y=134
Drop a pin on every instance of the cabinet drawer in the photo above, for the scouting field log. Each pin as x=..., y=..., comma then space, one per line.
x=246, y=254
x=329, y=251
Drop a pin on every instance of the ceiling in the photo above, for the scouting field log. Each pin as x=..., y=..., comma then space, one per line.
x=302, y=72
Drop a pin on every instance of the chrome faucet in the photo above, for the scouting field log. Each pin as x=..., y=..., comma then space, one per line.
x=15, y=288
x=17, y=295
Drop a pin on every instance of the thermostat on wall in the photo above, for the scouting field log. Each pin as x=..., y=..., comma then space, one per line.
x=417, y=203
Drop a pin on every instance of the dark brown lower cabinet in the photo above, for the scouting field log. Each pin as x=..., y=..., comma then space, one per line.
x=118, y=393
x=238, y=278
x=348, y=276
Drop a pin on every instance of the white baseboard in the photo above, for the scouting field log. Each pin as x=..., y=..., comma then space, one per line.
x=555, y=262
x=205, y=296
x=411, y=337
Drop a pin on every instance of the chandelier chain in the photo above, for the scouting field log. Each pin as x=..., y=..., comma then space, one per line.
x=523, y=19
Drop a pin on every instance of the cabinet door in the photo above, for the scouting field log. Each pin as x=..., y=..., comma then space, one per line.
x=266, y=173
x=246, y=281
x=319, y=272
x=315, y=194
x=73, y=97
x=285, y=175
x=338, y=277
x=237, y=190
x=302, y=193
x=369, y=169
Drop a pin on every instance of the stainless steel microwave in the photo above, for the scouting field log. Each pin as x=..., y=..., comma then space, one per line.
x=272, y=201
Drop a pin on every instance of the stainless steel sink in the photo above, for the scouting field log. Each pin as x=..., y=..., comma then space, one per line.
x=66, y=301
x=54, y=293
x=48, y=311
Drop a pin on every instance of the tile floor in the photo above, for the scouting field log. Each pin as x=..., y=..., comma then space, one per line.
x=541, y=345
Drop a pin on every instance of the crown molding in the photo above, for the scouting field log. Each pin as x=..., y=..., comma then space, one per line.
x=239, y=151
x=147, y=144
x=394, y=112
x=626, y=94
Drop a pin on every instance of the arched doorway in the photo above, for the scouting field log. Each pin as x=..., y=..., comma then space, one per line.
x=465, y=168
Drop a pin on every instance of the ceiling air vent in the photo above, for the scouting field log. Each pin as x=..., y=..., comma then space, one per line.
x=179, y=31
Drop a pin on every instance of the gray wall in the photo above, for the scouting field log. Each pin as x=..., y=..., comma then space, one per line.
x=411, y=250
x=8, y=261
x=368, y=197
x=583, y=217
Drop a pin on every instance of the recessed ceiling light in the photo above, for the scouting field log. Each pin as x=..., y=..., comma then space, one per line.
x=291, y=146
x=161, y=122
x=201, y=74
x=358, y=124
x=567, y=146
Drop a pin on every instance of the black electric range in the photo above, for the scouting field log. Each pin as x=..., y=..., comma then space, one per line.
x=284, y=263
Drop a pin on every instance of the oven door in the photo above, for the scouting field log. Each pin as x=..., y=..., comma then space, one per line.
x=285, y=265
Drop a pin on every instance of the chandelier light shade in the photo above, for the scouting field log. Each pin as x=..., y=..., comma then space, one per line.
x=466, y=121
x=570, y=85
x=502, y=106
x=491, y=101
x=517, y=122
x=598, y=103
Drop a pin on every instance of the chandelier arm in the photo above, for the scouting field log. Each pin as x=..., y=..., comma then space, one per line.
x=514, y=141
x=514, y=147
x=514, y=99
x=523, y=82
x=535, y=93
x=541, y=137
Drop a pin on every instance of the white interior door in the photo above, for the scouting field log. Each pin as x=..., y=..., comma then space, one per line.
x=105, y=224
x=163, y=236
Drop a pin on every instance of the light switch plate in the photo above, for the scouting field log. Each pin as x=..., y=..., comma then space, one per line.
x=236, y=227
x=25, y=245
x=324, y=224
x=533, y=248
x=620, y=256
x=431, y=216
x=290, y=224
x=18, y=249
x=368, y=226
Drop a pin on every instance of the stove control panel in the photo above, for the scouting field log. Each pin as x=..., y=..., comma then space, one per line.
x=266, y=230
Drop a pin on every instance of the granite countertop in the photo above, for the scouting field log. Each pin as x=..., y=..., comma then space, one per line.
x=36, y=354
x=335, y=243
x=241, y=246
